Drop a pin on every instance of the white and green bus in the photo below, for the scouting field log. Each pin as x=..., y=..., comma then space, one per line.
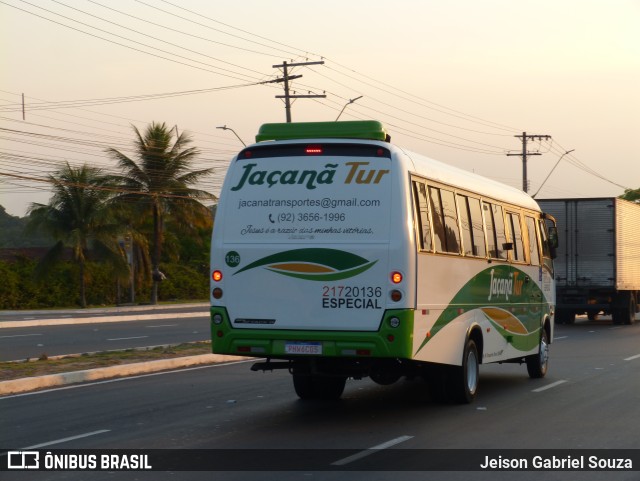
x=338, y=255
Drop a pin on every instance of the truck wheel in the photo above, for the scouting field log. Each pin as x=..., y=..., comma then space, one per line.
x=313, y=386
x=625, y=311
x=564, y=316
x=463, y=380
x=538, y=364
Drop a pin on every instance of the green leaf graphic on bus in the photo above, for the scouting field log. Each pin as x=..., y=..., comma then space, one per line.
x=313, y=264
x=503, y=295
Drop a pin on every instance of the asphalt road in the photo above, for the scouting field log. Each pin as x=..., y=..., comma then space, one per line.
x=124, y=328
x=33, y=342
x=107, y=312
x=589, y=399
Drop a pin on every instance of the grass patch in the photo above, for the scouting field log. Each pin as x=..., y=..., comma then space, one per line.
x=43, y=366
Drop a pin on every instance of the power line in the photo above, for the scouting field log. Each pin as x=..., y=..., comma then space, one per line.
x=107, y=189
x=54, y=105
x=121, y=44
x=211, y=28
x=155, y=38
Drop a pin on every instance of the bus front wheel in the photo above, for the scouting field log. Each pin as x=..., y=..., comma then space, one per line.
x=538, y=364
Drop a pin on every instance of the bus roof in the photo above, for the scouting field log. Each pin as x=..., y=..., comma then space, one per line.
x=353, y=129
x=470, y=181
x=428, y=167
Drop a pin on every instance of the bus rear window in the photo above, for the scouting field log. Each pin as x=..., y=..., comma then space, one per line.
x=314, y=148
x=332, y=195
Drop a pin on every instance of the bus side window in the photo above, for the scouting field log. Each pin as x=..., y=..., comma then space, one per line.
x=546, y=252
x=439, y=238
x=479, y=245
x=516, y=236
x=424, y=226
x=471, y=226
x=496, y=235
x=468, y=247
x=445, y=220
x=501, y=234
x=534, y=253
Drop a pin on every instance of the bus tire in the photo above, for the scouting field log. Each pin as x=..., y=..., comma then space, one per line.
x=437, y=379
x=538, y=364
x=463, y=380
x=318, y=387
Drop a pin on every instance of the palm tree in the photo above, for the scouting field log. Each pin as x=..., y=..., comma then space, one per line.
x=78, y=216
x=158, y=183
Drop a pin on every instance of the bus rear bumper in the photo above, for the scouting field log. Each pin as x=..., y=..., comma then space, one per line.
x=386, y=342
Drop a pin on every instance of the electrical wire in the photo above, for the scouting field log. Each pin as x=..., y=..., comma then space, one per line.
x=123, y=45
x=115, y=100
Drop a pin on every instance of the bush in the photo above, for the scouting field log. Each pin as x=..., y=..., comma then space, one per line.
x=20, y=290
x=183, y=283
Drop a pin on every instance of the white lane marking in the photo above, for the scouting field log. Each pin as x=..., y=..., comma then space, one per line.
x=120, y=379
x=558, y=338
x=633, y=357
x=20, y=335
x=549, y=386
x=71, y=438
x=125, y=338
x=164, y=325
x=370, y=451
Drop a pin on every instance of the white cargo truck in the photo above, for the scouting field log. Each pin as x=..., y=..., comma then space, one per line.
x=598, y=258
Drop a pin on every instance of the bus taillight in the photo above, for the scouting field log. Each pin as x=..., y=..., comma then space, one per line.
x=396, y=295
x=396, y=277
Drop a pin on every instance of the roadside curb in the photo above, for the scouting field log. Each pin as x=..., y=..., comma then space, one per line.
x=16, y=386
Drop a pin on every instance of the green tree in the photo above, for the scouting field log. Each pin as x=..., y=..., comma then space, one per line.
x=78, y=216
x=158, y=182
x=632, y=195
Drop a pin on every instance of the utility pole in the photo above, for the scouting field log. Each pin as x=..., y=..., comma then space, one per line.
x=286, y=78
x=524, y=137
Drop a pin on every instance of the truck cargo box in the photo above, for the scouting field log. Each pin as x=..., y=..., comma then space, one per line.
x=597, y=268
x=599, y=242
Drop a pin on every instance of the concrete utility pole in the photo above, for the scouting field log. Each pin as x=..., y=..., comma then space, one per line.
x=286, y=78
x=524, y=137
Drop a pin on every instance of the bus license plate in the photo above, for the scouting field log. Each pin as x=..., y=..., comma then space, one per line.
x=304, y=348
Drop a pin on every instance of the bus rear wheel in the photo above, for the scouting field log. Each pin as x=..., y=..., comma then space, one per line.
x=465, y=379
x=314, y=386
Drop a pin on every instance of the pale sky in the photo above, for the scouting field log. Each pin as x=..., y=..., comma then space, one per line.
x=454, y=80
